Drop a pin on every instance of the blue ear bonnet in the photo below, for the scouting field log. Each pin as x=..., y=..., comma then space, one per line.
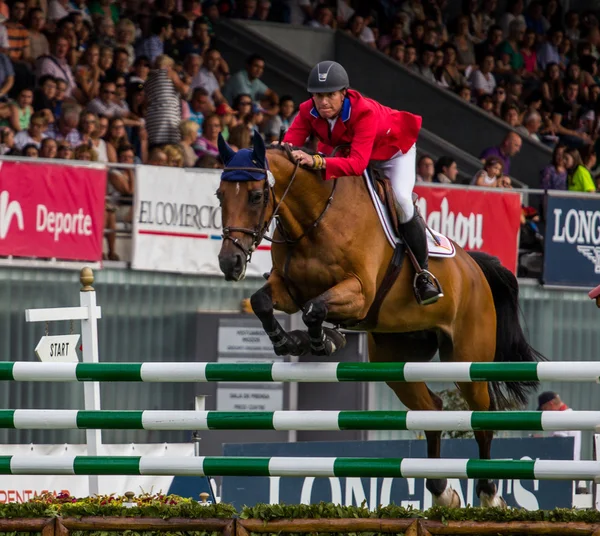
x=244, y=158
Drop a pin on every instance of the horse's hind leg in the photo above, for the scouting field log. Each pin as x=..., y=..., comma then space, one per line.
x=416, y=396
x=478, y=397
x=477, y=345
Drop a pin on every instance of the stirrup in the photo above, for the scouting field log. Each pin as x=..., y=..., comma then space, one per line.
x=434, y=281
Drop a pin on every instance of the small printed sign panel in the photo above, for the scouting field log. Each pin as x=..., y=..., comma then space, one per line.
x=58, y=349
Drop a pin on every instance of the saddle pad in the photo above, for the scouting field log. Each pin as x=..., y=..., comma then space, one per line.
x=445, y=248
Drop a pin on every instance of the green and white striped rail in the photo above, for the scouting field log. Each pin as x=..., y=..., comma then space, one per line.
x=325, y=467
x=565, y=371
x=33, y=419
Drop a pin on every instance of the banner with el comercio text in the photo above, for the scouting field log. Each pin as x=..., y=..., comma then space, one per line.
x=477, y=220
x=177, y=223
x=52, y=211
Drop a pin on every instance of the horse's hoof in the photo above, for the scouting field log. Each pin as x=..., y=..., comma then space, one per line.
x=296, y=343
x=449, y=497
x=492, y=501
x=332, y=341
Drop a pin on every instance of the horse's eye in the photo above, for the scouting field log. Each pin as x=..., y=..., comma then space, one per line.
x=219, y=195
x=255, y=197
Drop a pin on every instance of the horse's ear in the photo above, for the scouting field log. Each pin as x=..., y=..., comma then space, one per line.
x=259, y=149
x=225, y=152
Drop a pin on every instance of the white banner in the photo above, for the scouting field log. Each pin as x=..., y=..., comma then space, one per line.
x=21, y=488
x=177, y=223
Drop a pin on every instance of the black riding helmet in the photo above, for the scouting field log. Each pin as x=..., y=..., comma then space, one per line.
x=327, y=77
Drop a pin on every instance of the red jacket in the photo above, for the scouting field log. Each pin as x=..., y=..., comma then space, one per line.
x=374, y=132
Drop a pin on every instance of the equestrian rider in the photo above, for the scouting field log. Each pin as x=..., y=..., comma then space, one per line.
x=385, y=137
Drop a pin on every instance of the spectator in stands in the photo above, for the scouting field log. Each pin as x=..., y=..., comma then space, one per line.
x=105, y=8
x=21, y=110
x=152, y=47
x=157, y=157
x=174, y=155
x=423, y=66
x=85, y=153
x=88, y=72
x=463, y=41
x=199, y=106
x=509, y=51
x=125, y=36
x=529, y=54
x=175, y=46
x=34, y=134
x=30, y=150
x=483, y=81
x=209, y=162
x=511, y=116
x=18, y=35
x=531, y=126
x=397, y=51
x=48, y=148
x=580, y=178
x=207, y=143
x=572, y=30
x=65, y=129
x=164, y=89
x=115, y=137
x=38, y=42
x=141, y=70
x=489, y=175
x=491, y=44
x=199, y=41
x=7, y=140
x=323, y=18
x=446, y=170
x=508, y=148
x=189, y=135
x=449, y=75
x=207, y=76
x=106, y=104
x=357, y=28
x=565, y=117
x=247, y=81
x=514, y=13
x=410, y=55
x=554, y=176
x=287, y=112
x=425, y=169
x=548, y=52
x=57, y=66
x=7, y=79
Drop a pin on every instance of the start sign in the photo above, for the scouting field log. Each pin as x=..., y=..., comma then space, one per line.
x=58, y=349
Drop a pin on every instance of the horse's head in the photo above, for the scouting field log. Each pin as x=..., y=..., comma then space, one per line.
x=244, y=196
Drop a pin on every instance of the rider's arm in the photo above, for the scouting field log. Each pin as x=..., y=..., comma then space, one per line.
x=361, y=148
x=299, y=130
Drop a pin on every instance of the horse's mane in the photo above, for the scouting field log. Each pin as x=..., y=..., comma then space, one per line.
x=287, y=151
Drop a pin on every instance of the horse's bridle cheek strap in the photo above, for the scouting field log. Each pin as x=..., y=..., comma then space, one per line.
x=257, y=233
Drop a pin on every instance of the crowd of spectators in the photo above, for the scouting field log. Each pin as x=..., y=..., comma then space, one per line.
x=143, y=81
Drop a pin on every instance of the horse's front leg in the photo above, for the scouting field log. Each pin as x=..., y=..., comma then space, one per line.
x=274, y=294
x=341, y=303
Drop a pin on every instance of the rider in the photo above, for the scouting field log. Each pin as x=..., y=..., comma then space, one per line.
x=338, y=115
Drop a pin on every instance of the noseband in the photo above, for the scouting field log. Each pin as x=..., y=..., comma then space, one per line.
x=259, y=232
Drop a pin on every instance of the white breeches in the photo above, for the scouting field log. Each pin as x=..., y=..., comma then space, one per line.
x=401, y=170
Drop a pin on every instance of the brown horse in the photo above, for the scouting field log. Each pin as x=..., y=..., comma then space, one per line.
x=330, y=256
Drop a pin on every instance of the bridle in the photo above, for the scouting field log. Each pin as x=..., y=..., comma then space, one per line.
x=259, y=232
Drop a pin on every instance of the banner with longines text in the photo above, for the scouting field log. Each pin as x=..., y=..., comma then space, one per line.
x=177, y=223
x=572, y=240
x=21, y=488
x=52, y=211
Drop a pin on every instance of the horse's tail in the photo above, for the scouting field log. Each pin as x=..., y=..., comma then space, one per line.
x=511, y=344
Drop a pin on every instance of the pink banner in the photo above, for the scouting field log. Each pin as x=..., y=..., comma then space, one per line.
x=52, y=211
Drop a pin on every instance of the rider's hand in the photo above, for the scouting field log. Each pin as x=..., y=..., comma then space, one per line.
x=303, y=158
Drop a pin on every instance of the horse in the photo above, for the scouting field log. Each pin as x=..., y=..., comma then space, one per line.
x=330, y=257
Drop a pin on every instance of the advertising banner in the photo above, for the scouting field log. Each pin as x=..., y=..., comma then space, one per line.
x=351, y=491
x=177, y=223
x=52, y=211
x=477, y=220
x=21, y=488
x=572, y=240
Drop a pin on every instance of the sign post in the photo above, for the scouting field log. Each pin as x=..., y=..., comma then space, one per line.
x=88, y=313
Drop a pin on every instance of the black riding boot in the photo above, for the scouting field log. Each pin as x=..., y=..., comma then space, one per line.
x=427, y=288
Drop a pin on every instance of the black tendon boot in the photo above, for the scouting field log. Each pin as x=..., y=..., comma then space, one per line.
x=426, y=286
